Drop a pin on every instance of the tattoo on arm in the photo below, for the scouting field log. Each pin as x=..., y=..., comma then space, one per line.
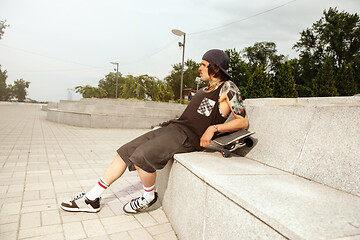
x=235, y=100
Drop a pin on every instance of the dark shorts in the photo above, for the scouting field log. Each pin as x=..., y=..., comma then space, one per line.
x=154, y=149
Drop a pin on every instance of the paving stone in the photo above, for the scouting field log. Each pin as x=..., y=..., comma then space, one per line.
x=159, y=215
x=120, y=236
x=50, y=217
x=76, y=217
x=94, y=228
x=9, y=235
x=74, y=230
x=55, y=236
x=39, y=202
x=140, y=234
x=10, y=208
x=31, y=195
x=40, y=231
x=166, y=236
x=9, y=219
x=159, y=229
x=16, y=188
x=3, y=189
x=47, y=194
x=145, y=219
x=8, y=227
x=38, y=208
x=30, y=220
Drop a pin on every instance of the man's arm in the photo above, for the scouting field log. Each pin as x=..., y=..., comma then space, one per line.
x=230, y=101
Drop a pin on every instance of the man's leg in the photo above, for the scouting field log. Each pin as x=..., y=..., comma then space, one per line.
x=149, y=196
x=90, y=202
x=115, y=170
x=148, y=181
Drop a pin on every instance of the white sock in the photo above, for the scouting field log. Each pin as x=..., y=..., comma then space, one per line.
x=97, y=190
x=149, y=193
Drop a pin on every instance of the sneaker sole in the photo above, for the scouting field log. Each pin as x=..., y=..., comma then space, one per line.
x=79, y=210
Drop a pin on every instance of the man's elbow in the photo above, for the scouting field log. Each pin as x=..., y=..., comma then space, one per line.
x=243, y=123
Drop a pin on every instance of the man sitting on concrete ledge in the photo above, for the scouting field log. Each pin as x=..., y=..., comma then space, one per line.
x=204, y=116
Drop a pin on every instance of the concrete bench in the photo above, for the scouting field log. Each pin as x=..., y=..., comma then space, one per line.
x=300, y=181
x=113, y=113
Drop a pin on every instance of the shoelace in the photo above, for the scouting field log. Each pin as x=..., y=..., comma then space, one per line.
x=138, y=203
x=80, y=195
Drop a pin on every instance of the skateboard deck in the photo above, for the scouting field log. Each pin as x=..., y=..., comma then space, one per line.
x=228, y=142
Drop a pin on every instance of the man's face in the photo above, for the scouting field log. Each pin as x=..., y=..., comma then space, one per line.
x=204, y=75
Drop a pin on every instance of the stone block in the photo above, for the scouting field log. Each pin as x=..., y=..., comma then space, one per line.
x=184, y=205
x=331, y=148
x=224, y=219
x=281, y=131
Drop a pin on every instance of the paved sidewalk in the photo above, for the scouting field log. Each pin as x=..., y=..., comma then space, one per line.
x=44, y=163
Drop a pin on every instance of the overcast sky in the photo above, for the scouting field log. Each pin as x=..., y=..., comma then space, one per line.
x=58, y=45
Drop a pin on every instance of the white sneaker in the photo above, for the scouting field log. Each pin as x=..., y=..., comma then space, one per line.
x=80, y=203
x=138, y=204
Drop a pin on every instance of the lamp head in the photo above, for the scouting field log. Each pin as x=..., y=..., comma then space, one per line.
x=177, y=32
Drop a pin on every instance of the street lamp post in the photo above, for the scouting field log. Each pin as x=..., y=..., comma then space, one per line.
x=117, y=76
x=181, y=33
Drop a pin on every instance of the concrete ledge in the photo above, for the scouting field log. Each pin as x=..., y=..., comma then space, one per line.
x=91, y=120
x=113, y=113
x=206, y=196
x=316, y=138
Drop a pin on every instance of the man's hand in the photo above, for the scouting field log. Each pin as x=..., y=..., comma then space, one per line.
x=207, y=136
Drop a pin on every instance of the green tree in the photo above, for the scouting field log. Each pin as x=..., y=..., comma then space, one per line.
x=259, y=84
x=345, y=82
x=302, y=87
x=165, y=92
x=132, y=87
x=356, y=66
x=3, y=25
x=324, y=84
x=284, y=86
x=18, y=89
x=109, y=84
x=155, y=89
x=307, y=74
x=4, y=90
x=335, y=35
x=190, y=73
x=238, y=69
x=90, y=92
x=264, y=53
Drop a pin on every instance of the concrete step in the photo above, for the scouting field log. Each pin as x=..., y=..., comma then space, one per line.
x=104, y=120
x=113, y=113
x=237, y=198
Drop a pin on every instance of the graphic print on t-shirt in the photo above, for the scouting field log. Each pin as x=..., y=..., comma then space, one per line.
x=206, y=107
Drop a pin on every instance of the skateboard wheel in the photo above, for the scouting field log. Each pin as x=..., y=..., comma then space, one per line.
x=230, y=146
x=248, y=142
x=225, y=153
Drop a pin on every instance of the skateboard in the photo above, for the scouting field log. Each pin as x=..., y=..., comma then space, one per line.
x=228, y=142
